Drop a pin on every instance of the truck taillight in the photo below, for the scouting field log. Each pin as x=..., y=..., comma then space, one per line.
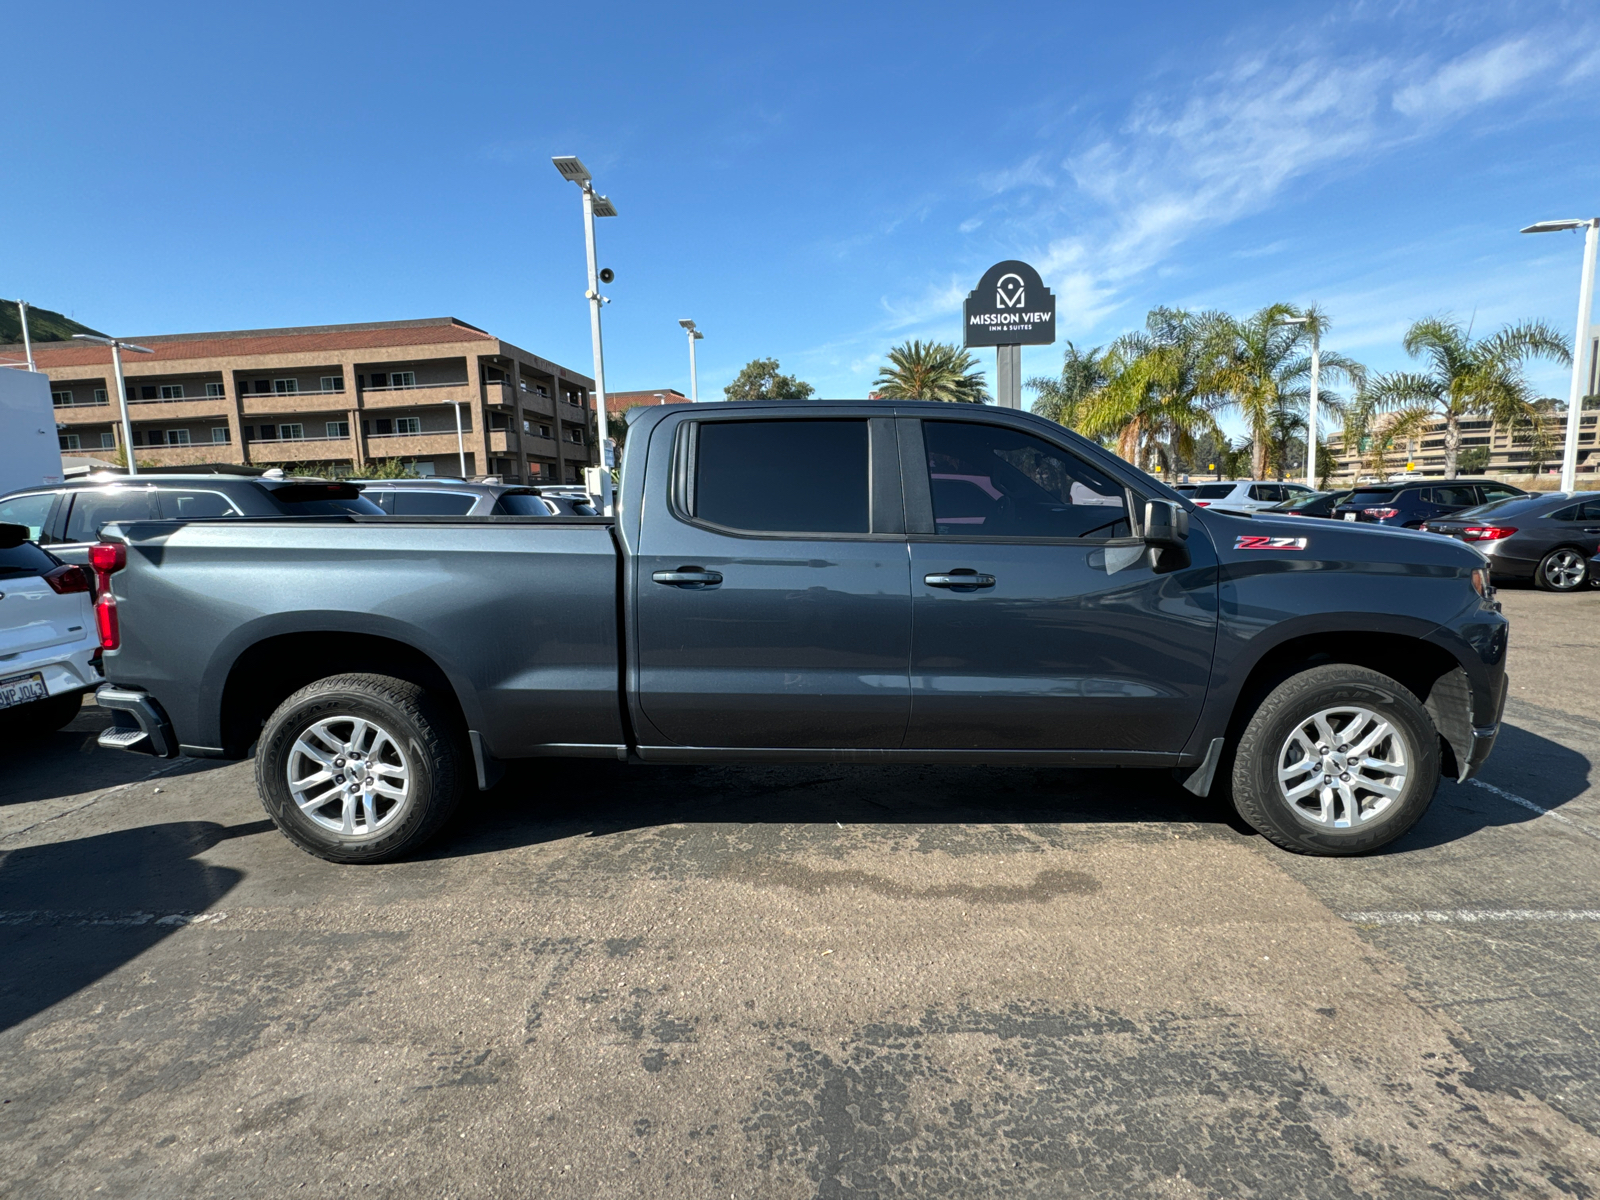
x=66, y=579
x=107, y=558
x=1486, y=533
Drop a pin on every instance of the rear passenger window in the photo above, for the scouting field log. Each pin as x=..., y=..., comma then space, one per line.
x=993, y=481
x=522, y=504
x=193, y=506
x=1457, y=497
x=1213, y=491
x=431, y=504
x=91, y=510
x=783, y=476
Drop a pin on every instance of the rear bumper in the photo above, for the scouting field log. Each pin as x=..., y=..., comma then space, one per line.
x=138, y=724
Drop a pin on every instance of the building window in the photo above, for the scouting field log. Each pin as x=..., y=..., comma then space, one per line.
x=171, y=391
x=379, y=379
x=108, y=441
x=138, y=437
x=333, y=383
x=292, y=433
x=219, y=435
x=544, y=431
x=382, y=425
x=69, y=441
x=147, y=392
x=61, y=399
x=177, y=437
x=100, y=396
x=408, y=424
x=338, y=429
x=286, y=387
x=263, y=386
x=216, y=391
x=403, y=379
x=575, y=436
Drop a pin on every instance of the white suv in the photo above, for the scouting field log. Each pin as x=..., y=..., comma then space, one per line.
x=1246, y=495
x=49, y=642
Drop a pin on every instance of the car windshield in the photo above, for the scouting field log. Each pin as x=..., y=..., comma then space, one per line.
x=1213, y=491
x=1509, y=506
x=322, y=500
x=1298, y=501
x=523, y=504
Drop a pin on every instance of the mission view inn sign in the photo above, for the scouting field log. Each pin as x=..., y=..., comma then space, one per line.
x=1009, y=309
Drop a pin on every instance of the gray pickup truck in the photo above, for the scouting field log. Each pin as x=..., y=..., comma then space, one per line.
x=798, y=582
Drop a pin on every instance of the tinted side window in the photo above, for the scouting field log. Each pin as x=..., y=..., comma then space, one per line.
x=23, y=560
x=1590, y=511
x=192, y=506
x=1497, y=491
x=1454, y=496
x=431, y=504
x=31, y=511
x=783, y=476
x=993, y=481
x=91, y=510
x=522, y=504
x=1213, y=491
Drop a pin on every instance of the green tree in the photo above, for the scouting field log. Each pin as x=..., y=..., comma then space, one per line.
x=1155, y=403
x=1083, y=372
x=761, y=380
x=384, y=468
x=1473, y=460
x=1467, y=378
x=1262, y=365
x=930, y=371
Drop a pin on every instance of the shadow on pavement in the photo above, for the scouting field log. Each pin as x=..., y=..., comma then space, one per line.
x=556, y=799
x=74, y=911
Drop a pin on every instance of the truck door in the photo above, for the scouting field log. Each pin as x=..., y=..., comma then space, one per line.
x=772, y=589
x=1038, y=621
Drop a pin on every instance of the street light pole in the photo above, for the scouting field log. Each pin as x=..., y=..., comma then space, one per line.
x=1311, y=406
x=1591, y=241
x=122, y=390
x=27, y=342
x=594, y=206
x=694, y=374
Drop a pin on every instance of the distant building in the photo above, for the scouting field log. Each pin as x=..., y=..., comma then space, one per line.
x=622, y=401
x=330, y=398
x=1510, y=452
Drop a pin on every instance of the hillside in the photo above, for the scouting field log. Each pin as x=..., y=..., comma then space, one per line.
x=43, y=325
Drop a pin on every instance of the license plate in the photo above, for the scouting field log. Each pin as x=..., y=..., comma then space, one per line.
x=1349, y=516
x=20, y=689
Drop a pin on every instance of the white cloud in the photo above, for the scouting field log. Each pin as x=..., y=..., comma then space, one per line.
x=1484, y=74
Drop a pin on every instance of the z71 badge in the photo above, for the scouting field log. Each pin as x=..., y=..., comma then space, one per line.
x=1258, y=542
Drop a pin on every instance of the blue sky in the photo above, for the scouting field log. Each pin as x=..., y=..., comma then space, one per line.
x=810, y=181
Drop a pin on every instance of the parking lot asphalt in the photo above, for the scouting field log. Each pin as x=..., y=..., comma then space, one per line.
x=823, y=981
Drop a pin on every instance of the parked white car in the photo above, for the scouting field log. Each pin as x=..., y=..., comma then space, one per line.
x=49, y=642
x=1246, y=495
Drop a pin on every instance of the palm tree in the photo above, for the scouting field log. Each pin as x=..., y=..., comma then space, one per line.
x=1262, y=365
x=1467, y=378
x=1083, y=372
x=1154, y=402
x=930, y=371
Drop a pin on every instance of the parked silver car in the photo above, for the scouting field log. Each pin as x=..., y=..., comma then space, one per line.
x=1247, y=495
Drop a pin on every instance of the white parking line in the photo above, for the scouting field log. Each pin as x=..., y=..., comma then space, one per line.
x=1471, y=916
x=1532, y=807
x=122, y=920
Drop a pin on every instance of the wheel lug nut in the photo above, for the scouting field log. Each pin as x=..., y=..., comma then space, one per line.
x=1345, y=777
x=1344, y=749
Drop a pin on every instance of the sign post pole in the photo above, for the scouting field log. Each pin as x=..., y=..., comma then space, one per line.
x=1009, y=309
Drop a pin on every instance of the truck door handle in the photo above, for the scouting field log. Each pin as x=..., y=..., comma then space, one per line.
x=688, y=577
x=959, y=578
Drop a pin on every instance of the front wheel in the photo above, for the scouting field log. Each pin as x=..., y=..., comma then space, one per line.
x=360, y=768
x=1337, y=760
x=1563, y=570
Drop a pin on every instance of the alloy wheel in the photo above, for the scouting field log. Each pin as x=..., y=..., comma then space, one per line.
x=348, y=775
x=1564, y=570
x=1342, y=767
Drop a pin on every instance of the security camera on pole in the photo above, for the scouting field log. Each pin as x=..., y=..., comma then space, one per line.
x=1009, y=309
x=594, y=205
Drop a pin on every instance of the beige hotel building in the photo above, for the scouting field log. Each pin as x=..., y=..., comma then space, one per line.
x=329, y=398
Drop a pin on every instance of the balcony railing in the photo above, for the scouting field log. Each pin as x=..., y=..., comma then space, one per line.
x=75, y=402
x=416, y=387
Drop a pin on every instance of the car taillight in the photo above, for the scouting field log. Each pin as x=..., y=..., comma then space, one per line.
x=67, y=578
x=107, y=558
x=1381, y=514
x=1202, y=504
x=1423, y=528
x=1487, y=533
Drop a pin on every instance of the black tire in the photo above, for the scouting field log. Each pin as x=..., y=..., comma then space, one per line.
x=1555, y=572
x=422, y=740
x=41, y=716
x=1264, y=805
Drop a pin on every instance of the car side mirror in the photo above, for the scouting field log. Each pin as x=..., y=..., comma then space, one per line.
x=12, y=536
x=1166, y=524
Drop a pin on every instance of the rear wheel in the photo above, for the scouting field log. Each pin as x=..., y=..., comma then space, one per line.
x=360, y=768
x=1337, y=760
x=1562, y=570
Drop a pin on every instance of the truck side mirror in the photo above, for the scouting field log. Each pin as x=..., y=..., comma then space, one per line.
x=1166, y=524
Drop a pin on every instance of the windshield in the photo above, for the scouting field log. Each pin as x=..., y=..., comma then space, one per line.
x=322, y=500
x=1502, y=508
x=1372, y=497
x=522, y=504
